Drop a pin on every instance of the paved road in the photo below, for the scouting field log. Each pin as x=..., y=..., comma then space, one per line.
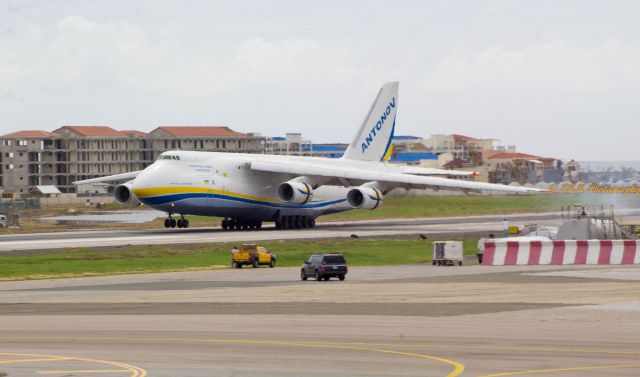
x=417, y=320
x=445, y=226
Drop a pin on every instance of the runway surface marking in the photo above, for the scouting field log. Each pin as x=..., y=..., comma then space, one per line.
x=31, y=360
x=347, y=344
x=362, y=346
x=535, y=371
x=458, y=368
x=133, y=371
x=83, y=371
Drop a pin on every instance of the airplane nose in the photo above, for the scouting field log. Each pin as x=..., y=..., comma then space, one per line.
x=145, y=181
x=146, y=178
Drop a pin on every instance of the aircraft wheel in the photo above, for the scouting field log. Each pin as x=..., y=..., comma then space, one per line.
x=225, y=224
x=167, y=223
x=259, y=225
x=278, y=224
x=172, y=223
x=312, y=223
x=304, y=222
x=179, y=223
x=185, y=223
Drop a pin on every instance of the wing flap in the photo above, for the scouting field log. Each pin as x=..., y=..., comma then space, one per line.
x=432, y=171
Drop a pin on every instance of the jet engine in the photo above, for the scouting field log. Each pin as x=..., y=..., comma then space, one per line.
x=295, y=192
x=124, y=194
x=364, y=198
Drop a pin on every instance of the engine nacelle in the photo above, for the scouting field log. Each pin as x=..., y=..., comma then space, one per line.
x=364, y=198
x=295, y=192
x=124, y=194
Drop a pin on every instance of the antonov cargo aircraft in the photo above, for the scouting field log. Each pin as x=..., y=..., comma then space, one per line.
x=292, y=191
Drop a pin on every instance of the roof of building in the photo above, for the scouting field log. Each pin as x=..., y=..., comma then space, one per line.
x=30, y=134
x=50, y=189
x=458, y=137
x=103, y=131
x=457, y=164
x=325, y=147
x=413, y=156
x=406, y=137
x=134, y=133
x=513, y=155
x=200, y=131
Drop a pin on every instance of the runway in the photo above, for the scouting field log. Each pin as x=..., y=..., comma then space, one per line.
x=444, y=226
x=414, y=320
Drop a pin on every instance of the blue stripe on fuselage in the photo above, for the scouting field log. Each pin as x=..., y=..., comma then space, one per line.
x=163, y=199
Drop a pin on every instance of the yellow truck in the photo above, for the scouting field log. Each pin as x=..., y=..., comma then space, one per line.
x=252, y=255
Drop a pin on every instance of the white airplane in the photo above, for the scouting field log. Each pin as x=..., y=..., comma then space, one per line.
x=292, y=191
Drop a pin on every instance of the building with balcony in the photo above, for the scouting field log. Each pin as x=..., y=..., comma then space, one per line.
x=41, y=158
x=462, y=147
x=523, y=168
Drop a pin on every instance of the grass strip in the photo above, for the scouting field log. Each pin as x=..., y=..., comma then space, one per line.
x=77, y=262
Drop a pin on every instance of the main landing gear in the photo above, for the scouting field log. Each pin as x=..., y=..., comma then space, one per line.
x=295, y=222
x=240, y=224
x=172, y=223
x=283, y=222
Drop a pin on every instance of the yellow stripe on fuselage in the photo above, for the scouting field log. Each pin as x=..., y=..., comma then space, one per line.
x=168, y=190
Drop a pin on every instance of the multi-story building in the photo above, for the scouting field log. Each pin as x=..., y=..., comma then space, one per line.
x=291, y=144
x=523, y=168
x=40, y=158
x=461, y=147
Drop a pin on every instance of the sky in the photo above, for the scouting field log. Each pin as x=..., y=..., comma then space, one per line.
x=555, y=78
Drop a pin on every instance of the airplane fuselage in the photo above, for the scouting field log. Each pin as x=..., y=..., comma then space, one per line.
x=222, y=184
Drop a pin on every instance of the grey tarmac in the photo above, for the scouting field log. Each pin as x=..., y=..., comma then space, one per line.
x=413, y=320
x=471, y=226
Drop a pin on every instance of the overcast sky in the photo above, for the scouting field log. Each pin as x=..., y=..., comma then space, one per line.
x=555, y=78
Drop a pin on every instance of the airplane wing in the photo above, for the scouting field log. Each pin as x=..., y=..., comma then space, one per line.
x=109, y=178
x=432, y=171
x=356, y=176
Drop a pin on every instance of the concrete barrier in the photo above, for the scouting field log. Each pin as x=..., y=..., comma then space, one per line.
x=501, y=253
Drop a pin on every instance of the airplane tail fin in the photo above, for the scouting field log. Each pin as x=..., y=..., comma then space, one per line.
x=373, y=140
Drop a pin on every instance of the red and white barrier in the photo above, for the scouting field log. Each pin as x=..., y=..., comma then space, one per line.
x=525, y=252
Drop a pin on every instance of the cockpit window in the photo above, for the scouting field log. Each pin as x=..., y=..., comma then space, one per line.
x=169, y=157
